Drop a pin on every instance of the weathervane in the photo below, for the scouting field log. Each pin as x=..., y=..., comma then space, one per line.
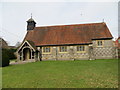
x=31, y=15
x=81, y=14
x=103, y=20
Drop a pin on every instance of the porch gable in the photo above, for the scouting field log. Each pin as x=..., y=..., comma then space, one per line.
x=29, y=43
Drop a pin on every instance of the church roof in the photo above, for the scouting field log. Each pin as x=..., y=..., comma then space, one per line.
x=32, y=44
x=31, y=19
x=68, y=34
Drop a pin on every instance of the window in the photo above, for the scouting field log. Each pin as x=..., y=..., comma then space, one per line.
x=63, y=48
x=46, y=50
x=100, y=43
x=81, y=48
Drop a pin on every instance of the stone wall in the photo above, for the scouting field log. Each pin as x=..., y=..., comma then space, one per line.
x=91, y=52
x=106, y=52
x=71, y=54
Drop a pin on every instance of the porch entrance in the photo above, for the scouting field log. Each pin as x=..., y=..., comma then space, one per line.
x=26, y=54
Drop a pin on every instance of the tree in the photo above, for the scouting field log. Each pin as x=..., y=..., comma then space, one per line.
x=18, y=44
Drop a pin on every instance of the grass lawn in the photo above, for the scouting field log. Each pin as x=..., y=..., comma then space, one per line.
x=62, y=74
x=0, y=77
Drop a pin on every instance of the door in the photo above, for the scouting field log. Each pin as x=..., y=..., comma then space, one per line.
x=26, y=54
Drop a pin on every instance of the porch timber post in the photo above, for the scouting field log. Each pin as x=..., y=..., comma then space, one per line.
x=31, y=53
x=35, y=56
x=18, y=56
x=22, y=55
x=38, y=56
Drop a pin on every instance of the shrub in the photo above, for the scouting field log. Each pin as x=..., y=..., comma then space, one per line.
x=7, y=55
x=5, y=58
x=11, y=53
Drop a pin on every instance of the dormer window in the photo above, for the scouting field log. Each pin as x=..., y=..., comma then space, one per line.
x=100, y=43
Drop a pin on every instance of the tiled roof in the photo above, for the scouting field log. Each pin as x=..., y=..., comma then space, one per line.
x=32, y=44
x=31, y=19
x=68, y=34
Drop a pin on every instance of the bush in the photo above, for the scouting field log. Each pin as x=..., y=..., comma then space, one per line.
x=7, y=55
x=5, y=58
x=11, y=53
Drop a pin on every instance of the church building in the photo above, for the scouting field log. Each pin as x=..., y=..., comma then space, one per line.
x=66, y=42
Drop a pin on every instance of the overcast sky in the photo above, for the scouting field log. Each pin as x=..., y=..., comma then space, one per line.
x=15, y=14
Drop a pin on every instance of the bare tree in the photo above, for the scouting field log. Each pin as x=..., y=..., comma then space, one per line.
x=18, y=44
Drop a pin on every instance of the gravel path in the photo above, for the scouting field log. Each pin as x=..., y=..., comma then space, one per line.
x=21, y=62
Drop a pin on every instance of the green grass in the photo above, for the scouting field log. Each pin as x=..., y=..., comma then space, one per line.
x=0, y=77
x=62, y=74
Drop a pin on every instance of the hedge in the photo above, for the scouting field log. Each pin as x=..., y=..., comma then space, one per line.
x=11, y=54
x=5, y=58
x=7, y=55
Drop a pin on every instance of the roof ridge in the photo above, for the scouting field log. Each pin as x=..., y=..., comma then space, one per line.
x=70, y=25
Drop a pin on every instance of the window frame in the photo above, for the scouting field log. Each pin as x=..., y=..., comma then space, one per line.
x=79, y=49
x=66, y=51
x=44, y=50
x=102, y=43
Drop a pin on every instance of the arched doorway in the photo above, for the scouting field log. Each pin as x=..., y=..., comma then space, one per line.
x=26, y=54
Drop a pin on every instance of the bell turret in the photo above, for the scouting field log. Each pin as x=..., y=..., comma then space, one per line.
x=31, y=24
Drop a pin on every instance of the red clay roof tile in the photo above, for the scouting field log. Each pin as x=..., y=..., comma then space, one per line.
x=68, y=34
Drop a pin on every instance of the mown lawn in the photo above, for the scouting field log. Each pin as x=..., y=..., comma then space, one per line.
x=62, y=74
x=0, y=77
